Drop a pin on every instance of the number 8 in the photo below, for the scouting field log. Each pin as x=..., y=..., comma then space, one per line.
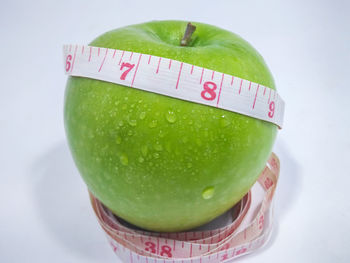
x=209, y=90
x=166, y=250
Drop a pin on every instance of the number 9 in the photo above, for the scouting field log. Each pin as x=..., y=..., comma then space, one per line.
x=271, y=109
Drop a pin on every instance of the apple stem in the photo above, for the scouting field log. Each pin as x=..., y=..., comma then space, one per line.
x=188, y=33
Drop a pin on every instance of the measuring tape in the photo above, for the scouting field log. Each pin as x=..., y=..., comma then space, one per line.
x=249, y=230
x=175, y=79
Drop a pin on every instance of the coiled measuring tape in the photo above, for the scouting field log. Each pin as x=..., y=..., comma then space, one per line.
x=175, y=79
x=249, y=230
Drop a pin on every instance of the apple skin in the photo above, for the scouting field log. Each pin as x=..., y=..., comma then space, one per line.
x=161, y=163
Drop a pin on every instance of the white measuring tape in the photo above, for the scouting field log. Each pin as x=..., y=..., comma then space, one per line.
x=249, y=230
x=175, y=79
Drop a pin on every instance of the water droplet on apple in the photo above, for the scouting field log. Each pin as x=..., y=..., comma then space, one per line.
x=189, y=165
x=141, y=159
x=142, y=115
x=118, y=140
x=130, y=133
x=124, y=159
x=156, y=155
x=140, y=101
x=161, y=134
x=198, y=125
x=144, y=150
x=208, y=192
x=170, y=116
x=224, y=122
x=124, y=107
x=153, y=124
x=190, y=122
x=132, y=122
x=120, y=123
x=158, y=147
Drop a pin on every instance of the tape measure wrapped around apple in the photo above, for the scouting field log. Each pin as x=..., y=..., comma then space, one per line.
x=162, y=159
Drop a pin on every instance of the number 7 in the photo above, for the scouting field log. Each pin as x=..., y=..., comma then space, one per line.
x=125, y=73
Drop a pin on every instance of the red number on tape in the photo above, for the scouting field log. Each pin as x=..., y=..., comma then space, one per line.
x=209, y=88
x=151, y=247
x=242, y=250
x=274, y=164
x=268, y=183
x=166, y=250
x=224, y=257
x=272, y=109
x=125, y=73
x=113, y=246
x=261, y=221
x=68, y=62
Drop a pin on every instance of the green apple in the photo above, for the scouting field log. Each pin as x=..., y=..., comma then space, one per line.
x=162, y=163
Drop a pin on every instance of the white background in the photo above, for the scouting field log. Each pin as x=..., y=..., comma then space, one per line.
x=45, y=214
